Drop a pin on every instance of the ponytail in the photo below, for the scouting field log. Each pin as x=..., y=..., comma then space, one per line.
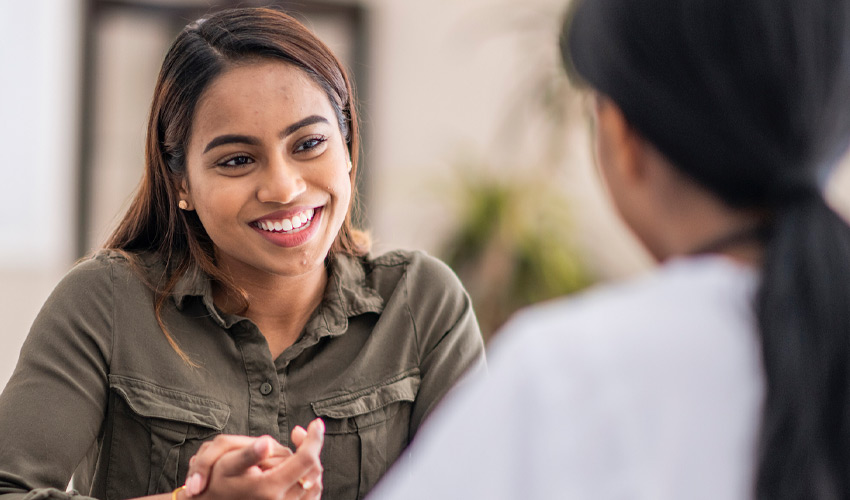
x=803, y=311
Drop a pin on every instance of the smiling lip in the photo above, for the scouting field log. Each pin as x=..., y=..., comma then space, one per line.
x=280, y=228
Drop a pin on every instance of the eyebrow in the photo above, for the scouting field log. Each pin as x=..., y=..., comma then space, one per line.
x=231, y=139
x=303, y=123
x=253, y=141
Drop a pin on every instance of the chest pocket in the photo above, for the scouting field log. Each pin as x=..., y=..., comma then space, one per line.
x=175, y=423
x=364, y=433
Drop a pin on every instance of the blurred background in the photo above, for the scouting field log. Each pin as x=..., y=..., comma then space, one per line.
x=475, y=147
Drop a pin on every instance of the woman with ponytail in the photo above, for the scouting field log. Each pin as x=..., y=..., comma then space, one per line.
x=726, y=372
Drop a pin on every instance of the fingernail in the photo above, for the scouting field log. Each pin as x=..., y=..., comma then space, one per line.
x=261, y=446
x=193, y=485
x=321, y=425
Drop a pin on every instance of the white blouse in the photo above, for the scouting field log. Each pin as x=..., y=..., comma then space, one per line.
x=651, y=389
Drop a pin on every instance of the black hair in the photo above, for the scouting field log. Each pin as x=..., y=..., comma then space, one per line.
x=751, y=99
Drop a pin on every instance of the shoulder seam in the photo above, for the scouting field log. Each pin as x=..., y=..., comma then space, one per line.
x=112, y=322
x=416, y=339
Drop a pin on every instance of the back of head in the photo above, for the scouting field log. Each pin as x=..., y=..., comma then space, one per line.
x=747, y=97
x=751, y=100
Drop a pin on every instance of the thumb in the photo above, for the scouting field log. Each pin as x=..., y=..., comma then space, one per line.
x=297, y=436
x=238, y=461
x=314, y=438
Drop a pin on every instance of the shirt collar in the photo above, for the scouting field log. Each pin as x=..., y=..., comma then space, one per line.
x=347, y=294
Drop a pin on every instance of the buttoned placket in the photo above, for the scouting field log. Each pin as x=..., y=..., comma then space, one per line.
x=307, y=339
x=263, y=384
x=267, y=377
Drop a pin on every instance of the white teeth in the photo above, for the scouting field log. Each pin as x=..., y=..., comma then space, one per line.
x=295, y=222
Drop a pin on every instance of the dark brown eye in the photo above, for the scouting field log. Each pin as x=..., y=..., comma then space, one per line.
x=310, y=143
x=236, y=161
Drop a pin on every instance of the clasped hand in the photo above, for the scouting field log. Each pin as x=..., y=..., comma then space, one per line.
x=258, y=468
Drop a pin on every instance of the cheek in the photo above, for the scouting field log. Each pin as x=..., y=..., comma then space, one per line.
x=217, y=209
x=338, y=184
x=341, y=192
x=344, y=191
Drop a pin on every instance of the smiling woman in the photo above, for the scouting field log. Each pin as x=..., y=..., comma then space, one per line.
x=267, y=174
x=236, y=300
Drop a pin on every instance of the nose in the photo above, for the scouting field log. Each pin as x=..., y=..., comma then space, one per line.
x=281, y=182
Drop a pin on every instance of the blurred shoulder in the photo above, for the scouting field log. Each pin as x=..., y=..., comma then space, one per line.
x=687, y=308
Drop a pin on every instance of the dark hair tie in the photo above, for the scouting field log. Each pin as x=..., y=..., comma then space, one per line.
x=790, y=194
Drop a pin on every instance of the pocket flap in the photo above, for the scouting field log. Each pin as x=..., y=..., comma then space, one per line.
x=152, y=401
x=402, y=387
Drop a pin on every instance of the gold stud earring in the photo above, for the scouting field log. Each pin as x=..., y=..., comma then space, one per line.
x=183, y=205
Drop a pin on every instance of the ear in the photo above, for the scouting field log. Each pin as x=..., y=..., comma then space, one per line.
x=624, y=149
x=184, y=194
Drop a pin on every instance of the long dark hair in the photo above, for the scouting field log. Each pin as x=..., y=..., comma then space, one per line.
x=751, y=99
x=201, y=52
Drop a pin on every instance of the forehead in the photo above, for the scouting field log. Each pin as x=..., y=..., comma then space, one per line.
x=259, y=93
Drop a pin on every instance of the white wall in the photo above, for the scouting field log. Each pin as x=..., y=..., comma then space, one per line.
x=38, y=106
x=446, y=74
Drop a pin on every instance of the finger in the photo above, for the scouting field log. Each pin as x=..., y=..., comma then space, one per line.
x=306, y=462
x=314, y=491
x=297, y=435
x=315, y=438
x=312, y=478
x=238, y=461
x=210, y=452
x=276, y=458
x=306, y=459
x=304, y=490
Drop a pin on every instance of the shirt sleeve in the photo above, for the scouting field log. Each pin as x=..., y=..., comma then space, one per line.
x=447, y=330
x=52, y=409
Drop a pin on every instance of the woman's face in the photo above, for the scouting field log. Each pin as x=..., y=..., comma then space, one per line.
x=267, y=170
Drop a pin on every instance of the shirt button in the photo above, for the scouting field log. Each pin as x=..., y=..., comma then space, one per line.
x=265, y=389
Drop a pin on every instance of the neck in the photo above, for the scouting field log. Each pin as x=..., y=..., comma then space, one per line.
x=742, y=244
x=695, y=222
x=740, y=239
x=280, y=306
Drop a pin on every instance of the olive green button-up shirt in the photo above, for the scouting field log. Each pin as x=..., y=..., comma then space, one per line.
x=99, y=393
